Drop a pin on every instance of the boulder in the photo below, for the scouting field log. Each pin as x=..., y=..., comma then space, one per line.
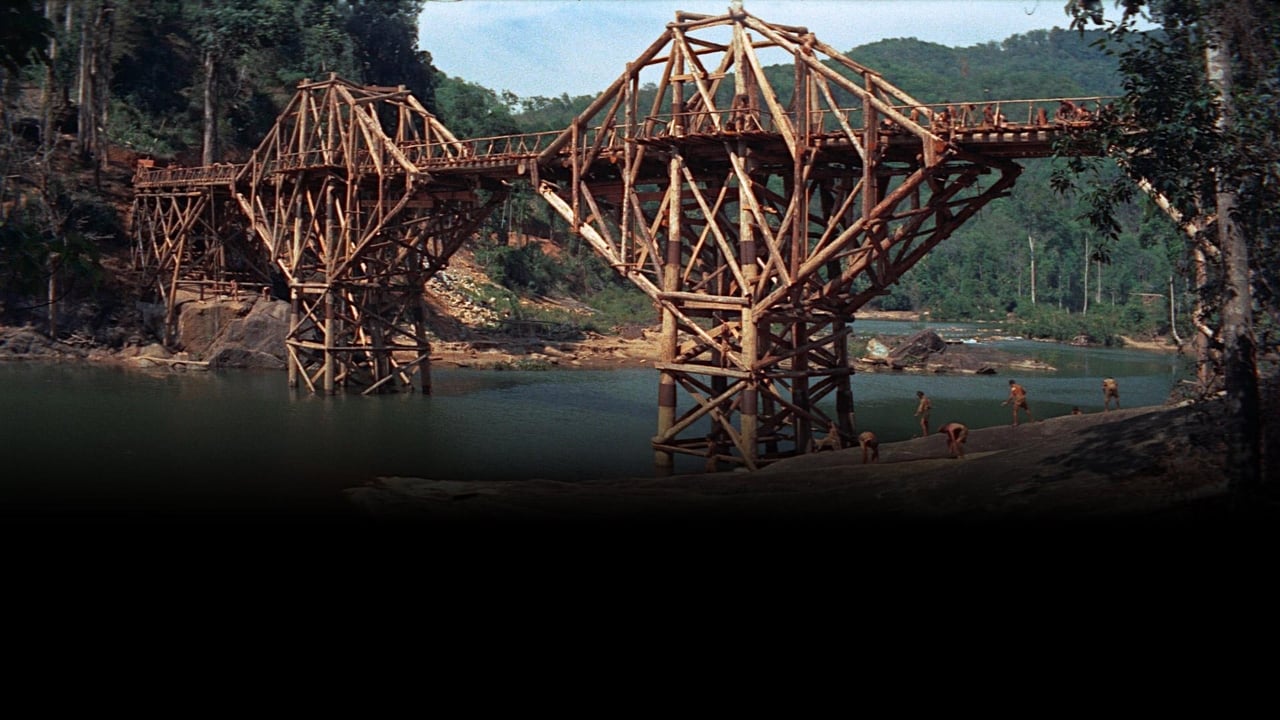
x=877, y=349
x=917, y=348
x=202, y=322
x=255, y=340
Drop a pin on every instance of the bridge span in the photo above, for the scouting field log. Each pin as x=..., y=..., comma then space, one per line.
x=757, y=221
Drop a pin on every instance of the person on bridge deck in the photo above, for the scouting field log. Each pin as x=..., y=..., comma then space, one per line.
x=832, y=441
x=942, y=120
x=1066, y=111
x=989, y=116
x=870, y=446
x=922, y=412
x=1110, y=390
x=956, y=434
x=1017, y=396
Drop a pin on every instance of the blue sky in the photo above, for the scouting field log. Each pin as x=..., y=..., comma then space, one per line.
x=549, y=47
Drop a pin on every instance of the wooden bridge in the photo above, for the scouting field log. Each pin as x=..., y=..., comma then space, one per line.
x=758, y=224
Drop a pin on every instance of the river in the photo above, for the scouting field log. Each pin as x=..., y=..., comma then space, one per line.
x=93, y=437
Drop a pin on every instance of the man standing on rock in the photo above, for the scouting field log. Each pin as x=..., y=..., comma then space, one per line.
x=956, y=434
x=922, y=412
x=1110, y=390
x=1017, y=396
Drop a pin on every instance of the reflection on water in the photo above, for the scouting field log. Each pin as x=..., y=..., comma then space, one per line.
x=106, y=434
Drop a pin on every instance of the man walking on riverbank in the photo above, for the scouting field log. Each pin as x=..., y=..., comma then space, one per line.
x=1110, y=390
x=956, y=434
x=1017, y=396
x=922, y=412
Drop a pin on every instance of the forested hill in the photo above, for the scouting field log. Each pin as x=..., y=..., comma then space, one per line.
x=1041, y=63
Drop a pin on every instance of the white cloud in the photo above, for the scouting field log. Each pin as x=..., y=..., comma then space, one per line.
x=549, y=47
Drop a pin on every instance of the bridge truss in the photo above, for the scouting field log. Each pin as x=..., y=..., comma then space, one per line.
x=337, y=203
x=760, y=224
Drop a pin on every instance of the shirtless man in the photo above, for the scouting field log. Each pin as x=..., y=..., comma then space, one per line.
x=1110, y=390
x=1017, y=396
x=832, y=441
x=922, y=412
x=870, y=446
x=956, y=434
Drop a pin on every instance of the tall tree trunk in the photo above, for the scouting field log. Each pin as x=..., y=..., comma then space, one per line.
x=48, y=100
x=210, y=109
x=105, y=32
x=1085, y=309
x=1240, y=362
x=1031, y=241
x=96, y=30
x=84, y=87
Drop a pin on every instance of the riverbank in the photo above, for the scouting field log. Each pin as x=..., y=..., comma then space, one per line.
x=1135, y=467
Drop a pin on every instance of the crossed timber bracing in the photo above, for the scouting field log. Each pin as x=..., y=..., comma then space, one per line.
x=758, y=223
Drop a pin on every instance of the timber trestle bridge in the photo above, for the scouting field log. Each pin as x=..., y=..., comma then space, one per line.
x=758, y=224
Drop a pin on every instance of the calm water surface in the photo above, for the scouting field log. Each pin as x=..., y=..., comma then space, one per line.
x=93, y=435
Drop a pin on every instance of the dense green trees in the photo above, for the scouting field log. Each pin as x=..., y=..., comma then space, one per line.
x=221, y=71
x=1197, y=129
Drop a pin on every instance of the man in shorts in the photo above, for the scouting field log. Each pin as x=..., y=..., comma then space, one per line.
x=1017, y=396
x=956, y=434
x=1110, y=391
x=870, y=446
x=922, y=412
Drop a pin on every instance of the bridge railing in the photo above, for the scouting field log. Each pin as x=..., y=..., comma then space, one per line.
x=989, y=115
x=204, y=175
x=475, y=149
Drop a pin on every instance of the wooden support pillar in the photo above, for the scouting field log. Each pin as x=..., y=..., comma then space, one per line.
x=330, y=323
x=670, y=345
x=295, y=314
x=798, y=192
x=424, y=347
x=844, y=388
x=750, y=332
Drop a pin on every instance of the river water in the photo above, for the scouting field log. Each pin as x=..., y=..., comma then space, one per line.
x=91, y=437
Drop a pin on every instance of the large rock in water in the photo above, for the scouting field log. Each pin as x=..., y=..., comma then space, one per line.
x=255, y=340
x=202, y=322
x=917, y=348
x=242, y=334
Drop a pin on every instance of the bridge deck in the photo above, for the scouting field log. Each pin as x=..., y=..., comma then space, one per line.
x=510, y=156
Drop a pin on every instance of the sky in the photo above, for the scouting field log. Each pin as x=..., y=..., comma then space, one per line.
x=550, y=47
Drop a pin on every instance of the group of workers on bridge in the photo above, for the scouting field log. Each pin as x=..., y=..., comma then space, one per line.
x=967, y=117
x=956, y=433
